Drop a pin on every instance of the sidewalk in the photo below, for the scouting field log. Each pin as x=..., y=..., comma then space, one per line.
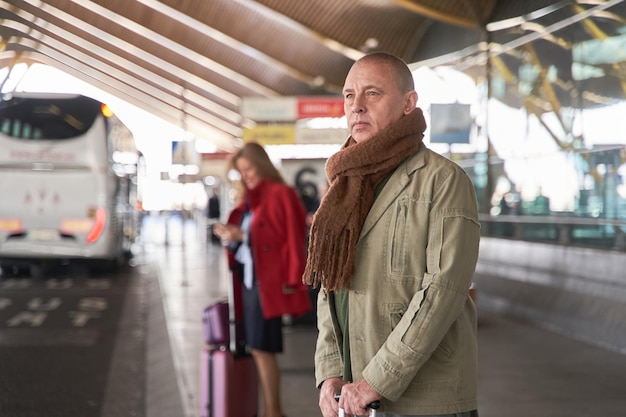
x=192, y=276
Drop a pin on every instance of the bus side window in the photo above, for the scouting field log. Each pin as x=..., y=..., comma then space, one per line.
x=17, y=127
x=6, y=126
x=27, y=131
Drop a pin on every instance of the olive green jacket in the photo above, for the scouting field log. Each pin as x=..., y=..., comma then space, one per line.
x=412, y=323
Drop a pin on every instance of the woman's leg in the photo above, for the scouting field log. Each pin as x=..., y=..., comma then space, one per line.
x=269, y=377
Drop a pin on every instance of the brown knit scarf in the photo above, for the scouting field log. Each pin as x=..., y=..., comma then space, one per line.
x=354, y=172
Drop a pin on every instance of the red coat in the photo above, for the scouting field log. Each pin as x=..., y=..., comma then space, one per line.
x=278, y=240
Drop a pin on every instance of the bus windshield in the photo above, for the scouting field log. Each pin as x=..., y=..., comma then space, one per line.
x=47, y=118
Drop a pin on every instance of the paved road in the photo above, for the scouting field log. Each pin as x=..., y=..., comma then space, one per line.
x=58, y=333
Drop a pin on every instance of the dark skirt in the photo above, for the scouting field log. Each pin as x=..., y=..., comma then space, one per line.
x=262, y=334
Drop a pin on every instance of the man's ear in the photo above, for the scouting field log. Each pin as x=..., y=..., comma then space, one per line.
x=410, y=99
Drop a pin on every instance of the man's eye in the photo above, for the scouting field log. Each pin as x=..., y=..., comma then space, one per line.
x=372, y=93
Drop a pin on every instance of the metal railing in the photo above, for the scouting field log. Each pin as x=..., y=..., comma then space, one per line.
x=589, y=232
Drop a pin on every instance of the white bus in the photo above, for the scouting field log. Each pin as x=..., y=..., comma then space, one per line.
x=67, y=181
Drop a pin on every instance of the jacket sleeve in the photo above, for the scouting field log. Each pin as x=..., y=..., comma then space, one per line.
x=453, y=242
x=234, y=217
x=328, y=362
x=295, y=224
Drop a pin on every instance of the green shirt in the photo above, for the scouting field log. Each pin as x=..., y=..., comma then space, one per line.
x=341, y=311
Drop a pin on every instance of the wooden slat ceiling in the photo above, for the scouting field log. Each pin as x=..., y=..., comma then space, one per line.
x=190, y=62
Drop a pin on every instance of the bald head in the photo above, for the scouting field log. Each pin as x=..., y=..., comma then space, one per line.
x=399, y=69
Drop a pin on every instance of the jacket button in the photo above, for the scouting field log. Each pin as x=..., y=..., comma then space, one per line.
x=266, y=248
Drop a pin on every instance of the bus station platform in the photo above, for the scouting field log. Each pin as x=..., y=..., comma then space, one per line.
x=525, y=369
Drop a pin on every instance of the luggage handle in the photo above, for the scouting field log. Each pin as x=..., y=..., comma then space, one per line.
x=374, y=405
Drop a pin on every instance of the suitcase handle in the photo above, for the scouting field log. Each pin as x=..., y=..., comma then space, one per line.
x=374, y=405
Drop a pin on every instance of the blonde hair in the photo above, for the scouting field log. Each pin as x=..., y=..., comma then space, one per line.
x=256, y=155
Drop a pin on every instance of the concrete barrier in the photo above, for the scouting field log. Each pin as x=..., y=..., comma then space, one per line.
x=577, y=291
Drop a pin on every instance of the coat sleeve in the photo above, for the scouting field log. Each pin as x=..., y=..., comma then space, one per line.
x=234, y=217
x=295, y=224
x=328, y=362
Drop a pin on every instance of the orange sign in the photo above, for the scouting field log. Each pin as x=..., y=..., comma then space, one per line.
x=309, y=107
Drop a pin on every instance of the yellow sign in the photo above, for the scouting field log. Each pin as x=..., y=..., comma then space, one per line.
x=271, y=134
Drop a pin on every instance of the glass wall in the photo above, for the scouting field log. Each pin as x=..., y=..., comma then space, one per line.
x=548, y=150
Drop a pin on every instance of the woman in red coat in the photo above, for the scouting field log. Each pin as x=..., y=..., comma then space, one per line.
x=266, y=235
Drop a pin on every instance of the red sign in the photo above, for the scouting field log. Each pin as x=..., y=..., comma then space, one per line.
x=215, y=155
x=320, y=107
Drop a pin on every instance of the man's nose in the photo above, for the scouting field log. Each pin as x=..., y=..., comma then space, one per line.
x=357, y=106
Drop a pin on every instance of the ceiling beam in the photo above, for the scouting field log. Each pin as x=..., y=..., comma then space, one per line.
x=65, y=63
x=222, y=117
x=217, y=36
x=175, y=48
x=429, y=12
x=157, y=62
x=34, y=40
x=331, y=44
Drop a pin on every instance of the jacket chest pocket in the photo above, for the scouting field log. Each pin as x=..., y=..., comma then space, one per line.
x=408, y=234
x=398, y=238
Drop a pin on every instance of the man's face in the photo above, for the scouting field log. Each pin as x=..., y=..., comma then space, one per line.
x=373, y=100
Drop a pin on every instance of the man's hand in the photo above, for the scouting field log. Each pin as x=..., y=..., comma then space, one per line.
x=328, y=404
x=356, y=396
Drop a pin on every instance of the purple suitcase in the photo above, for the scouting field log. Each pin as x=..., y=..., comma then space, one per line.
x=213, y=391
x=215, y=322
x=228, y=384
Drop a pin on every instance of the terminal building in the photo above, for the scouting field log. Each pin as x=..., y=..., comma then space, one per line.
x=528, y=97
